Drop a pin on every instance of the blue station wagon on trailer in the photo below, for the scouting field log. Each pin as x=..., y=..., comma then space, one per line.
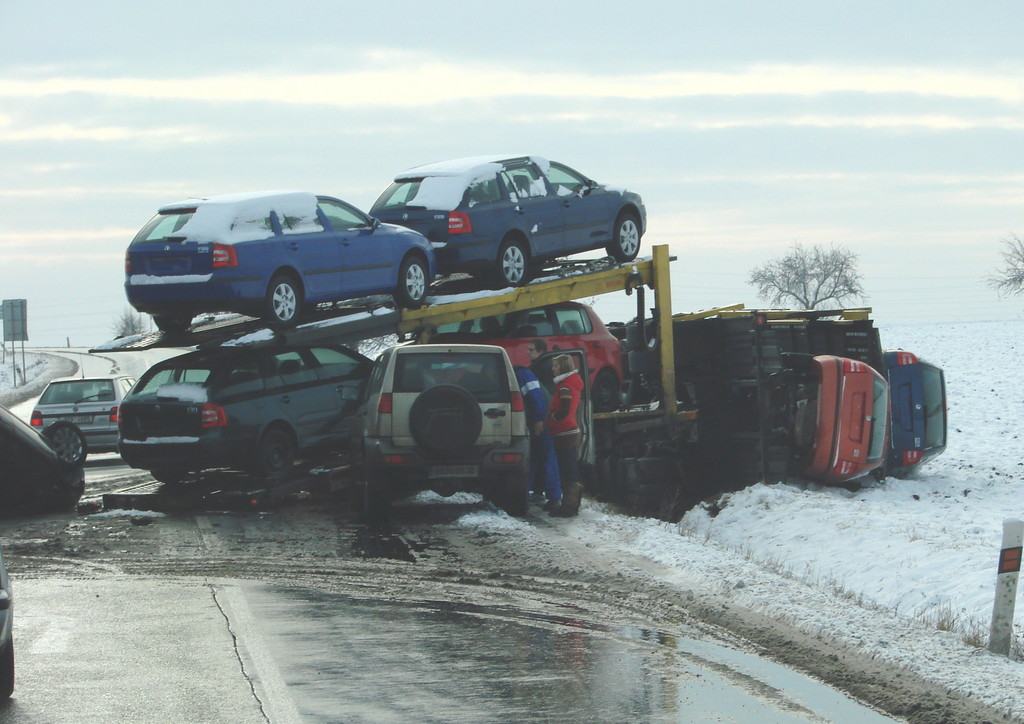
x=501, y=216
x=269, y=254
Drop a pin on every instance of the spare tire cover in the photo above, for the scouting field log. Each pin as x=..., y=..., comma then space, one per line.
x=445, y=418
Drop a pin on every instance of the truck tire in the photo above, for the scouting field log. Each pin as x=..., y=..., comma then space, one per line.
x=172, y=323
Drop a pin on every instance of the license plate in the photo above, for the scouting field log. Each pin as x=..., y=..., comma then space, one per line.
x=454, y=471
x=81, y=419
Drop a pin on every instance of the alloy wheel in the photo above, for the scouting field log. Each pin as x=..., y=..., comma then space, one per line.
x=629, y=237
x=415, y=282
x=284, y=301
x=513, y=264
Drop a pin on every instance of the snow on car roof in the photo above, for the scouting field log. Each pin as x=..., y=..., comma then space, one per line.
x=230, y=218
x=468, y=166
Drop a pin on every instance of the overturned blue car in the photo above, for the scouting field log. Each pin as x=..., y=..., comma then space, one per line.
x=917, y=394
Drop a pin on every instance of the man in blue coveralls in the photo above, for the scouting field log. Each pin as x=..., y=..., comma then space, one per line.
x=543, y=463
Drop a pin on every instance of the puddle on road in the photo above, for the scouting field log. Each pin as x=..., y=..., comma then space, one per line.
x=367, y=660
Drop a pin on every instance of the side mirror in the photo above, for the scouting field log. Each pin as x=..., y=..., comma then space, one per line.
x=374, y=223
x=589, y=186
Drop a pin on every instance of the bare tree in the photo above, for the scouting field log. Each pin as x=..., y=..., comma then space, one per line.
x=130, y=322
x=810, y=276
x=1010, y=279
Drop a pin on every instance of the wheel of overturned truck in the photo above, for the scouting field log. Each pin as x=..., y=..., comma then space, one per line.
x=511, y=494
x=7, y=670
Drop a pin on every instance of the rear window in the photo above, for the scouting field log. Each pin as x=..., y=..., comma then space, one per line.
x=439, y=193
x=879, y=418
x=68, y=393
x=934, y=407
x=163, y=225
x=398, y=194
x=482, y=374
x=155, y=379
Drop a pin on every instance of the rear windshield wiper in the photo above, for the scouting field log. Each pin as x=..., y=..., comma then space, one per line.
x=91, y=397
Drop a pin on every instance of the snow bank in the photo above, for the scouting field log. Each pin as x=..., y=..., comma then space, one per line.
x=41, y=368
x=922, y=546
x=493, y=521
x=429, y=497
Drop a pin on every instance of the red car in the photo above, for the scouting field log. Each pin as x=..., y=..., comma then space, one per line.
x=850, y=420
x=563, y=326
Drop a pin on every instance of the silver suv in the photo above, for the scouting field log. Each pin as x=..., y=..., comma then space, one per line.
x=91, y=404
x=445, y=417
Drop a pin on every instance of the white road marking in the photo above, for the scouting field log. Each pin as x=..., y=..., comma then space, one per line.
x=259, y=663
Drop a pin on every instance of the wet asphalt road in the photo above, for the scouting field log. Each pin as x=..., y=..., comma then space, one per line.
x=207, y=617
x=187, y=651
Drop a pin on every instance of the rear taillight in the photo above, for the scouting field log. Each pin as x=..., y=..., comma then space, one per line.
x=213, y=415
x=912, y=457
x=459, y=223
x=127, y=263
x=905, y=358
x=397, y=459
x=37, y=418
x=385, y=405
x=508, y=458
x=114, y=417
x=517, y=402
x=224, y=255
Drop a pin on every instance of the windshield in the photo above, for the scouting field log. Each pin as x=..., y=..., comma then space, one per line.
x=69, y=393
x=483, y=374
x=163, y=225
x=934, y=406
x=879, y=418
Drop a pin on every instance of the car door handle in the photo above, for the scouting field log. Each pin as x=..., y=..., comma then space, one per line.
x=285, y=399
x=495, y=412
x=293, y=245
x=567, y=203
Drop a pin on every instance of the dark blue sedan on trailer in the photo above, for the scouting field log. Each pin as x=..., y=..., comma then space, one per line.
x=917, y=393
x=501, y=216
x=269, y=254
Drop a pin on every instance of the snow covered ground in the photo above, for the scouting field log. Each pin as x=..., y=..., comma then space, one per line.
x=885, y=567
x=35, y=365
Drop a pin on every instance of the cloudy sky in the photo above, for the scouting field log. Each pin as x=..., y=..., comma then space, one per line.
x=893, y=128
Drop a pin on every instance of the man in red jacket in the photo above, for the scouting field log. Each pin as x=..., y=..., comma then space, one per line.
x=564, y=428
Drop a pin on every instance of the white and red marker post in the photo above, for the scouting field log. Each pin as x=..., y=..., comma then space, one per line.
x=1001, y=634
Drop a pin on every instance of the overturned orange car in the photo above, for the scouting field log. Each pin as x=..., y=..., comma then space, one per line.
x=842, y=423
